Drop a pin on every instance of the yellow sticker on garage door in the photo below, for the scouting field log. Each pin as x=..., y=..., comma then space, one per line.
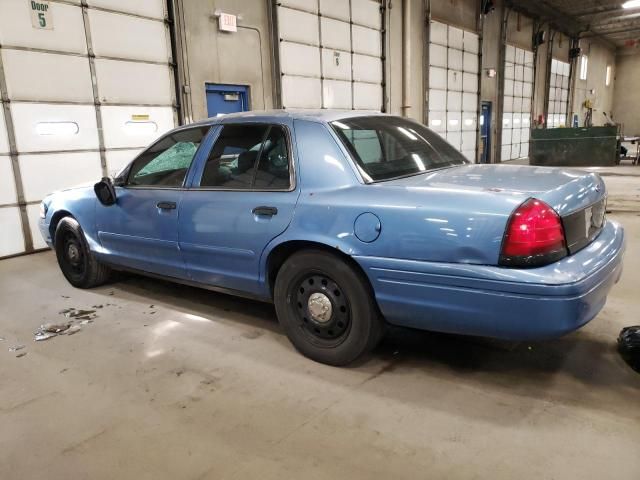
x=140, y=117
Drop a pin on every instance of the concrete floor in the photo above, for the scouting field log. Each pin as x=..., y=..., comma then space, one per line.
x=176, y=382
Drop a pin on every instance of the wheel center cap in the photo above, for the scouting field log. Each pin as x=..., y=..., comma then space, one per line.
x=73, y=252
x=320, y=307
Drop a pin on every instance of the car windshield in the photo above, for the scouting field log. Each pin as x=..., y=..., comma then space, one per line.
x=386, y=147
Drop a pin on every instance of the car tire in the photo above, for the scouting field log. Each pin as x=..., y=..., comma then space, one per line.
x=79, y=266
x=327, y=308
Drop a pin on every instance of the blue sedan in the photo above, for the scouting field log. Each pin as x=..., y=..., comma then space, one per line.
x=348, y=221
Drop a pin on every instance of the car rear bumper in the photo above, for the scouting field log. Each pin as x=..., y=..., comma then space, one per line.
x=513, y=304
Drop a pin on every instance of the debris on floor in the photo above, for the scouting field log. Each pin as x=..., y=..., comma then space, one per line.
x=77, y=318
x=15, y=348
x=41, y=336
x=79, y=314
x=73, y=329
x=55, y=328
x=629, y=346
x=2, y=339
x=21, y=354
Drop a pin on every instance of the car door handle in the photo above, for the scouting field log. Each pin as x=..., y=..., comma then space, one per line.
x=166, y=205
x=268, y=211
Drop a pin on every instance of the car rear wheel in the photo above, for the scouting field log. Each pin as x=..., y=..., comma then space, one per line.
x=326, y=308
x=78, y=264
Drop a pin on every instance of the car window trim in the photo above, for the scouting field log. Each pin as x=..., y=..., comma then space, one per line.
x=292, y=163
x=160, y=139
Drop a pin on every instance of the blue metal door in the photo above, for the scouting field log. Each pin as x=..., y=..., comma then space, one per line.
x=223, y=99
x=485, y=133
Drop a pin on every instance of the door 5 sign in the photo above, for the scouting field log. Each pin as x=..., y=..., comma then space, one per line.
x=41, y=16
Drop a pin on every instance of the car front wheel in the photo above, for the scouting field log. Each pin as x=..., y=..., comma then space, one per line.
x=78, y=264
x=326, y=308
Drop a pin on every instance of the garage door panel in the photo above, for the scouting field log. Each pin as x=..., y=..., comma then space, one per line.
x=296, y=59
x=46, y=127
x=145, y=83
x=47, y=172
x=147, y=8
x=12, y=239
x=67, y=77
x=301, y=92
x=367, y=96
x=438, y=55
x=437, y=100
x=366, y=40
x=367, y=69
x=336, y=65
x=335, y=8
x=336, y=94
x=33, y=216
x=366, y=12
x=307, y=5
x=336, y=34
x=4, y=140
x=297, y=26
x=136, y=38
x=66, y=36
x=132, y=127
x=347, y=64
x=7, y=185
x=118, y=159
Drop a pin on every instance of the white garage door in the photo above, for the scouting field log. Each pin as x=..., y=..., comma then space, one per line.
x=518, y=91
x=453, y=86
x=558, y=94
x=331, y=54
x=83, y=90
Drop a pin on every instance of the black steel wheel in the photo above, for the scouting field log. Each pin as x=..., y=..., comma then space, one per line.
x=322, y=309
x=326, y=307
x=77, y=263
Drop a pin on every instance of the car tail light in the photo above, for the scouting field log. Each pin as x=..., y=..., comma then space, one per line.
x=534, y=236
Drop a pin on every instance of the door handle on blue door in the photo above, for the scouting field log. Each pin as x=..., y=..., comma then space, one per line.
x=268, y=211
x=166, y=205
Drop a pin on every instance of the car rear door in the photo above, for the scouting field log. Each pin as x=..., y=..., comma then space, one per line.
x=243, y=194
x=140, y=230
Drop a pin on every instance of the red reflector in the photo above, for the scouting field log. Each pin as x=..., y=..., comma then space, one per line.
x=534, y=230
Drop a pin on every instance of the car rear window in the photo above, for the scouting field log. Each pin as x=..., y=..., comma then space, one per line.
x=385, y=147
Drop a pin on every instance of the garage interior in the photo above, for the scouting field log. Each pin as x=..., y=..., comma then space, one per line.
x=167, y=381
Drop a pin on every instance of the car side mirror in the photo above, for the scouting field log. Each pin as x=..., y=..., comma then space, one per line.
x=105, y=191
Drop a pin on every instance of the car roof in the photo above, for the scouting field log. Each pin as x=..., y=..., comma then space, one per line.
x=318, y=115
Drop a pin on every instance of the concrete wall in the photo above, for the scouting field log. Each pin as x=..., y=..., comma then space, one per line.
x=626, y=95
x=212, y=56
x=594, y=88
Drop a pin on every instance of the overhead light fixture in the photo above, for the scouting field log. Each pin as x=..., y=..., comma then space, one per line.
x=631, y=4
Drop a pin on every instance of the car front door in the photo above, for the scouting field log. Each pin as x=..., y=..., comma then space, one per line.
x=243, y=195
x=140, y=230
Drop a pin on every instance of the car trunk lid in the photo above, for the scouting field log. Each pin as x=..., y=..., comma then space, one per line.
x=579, y=197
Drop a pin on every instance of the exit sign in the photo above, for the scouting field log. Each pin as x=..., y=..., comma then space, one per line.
x=227, y=22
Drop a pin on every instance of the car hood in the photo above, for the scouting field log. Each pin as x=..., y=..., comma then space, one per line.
x=566, y=190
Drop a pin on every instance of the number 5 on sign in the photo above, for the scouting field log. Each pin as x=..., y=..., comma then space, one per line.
x=41, y=16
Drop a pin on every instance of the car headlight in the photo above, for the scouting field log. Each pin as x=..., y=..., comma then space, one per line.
x=43, y=210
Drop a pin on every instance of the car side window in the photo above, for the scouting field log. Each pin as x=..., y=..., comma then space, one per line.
x=165, y=164
x=232, y=161
x=273, y=166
